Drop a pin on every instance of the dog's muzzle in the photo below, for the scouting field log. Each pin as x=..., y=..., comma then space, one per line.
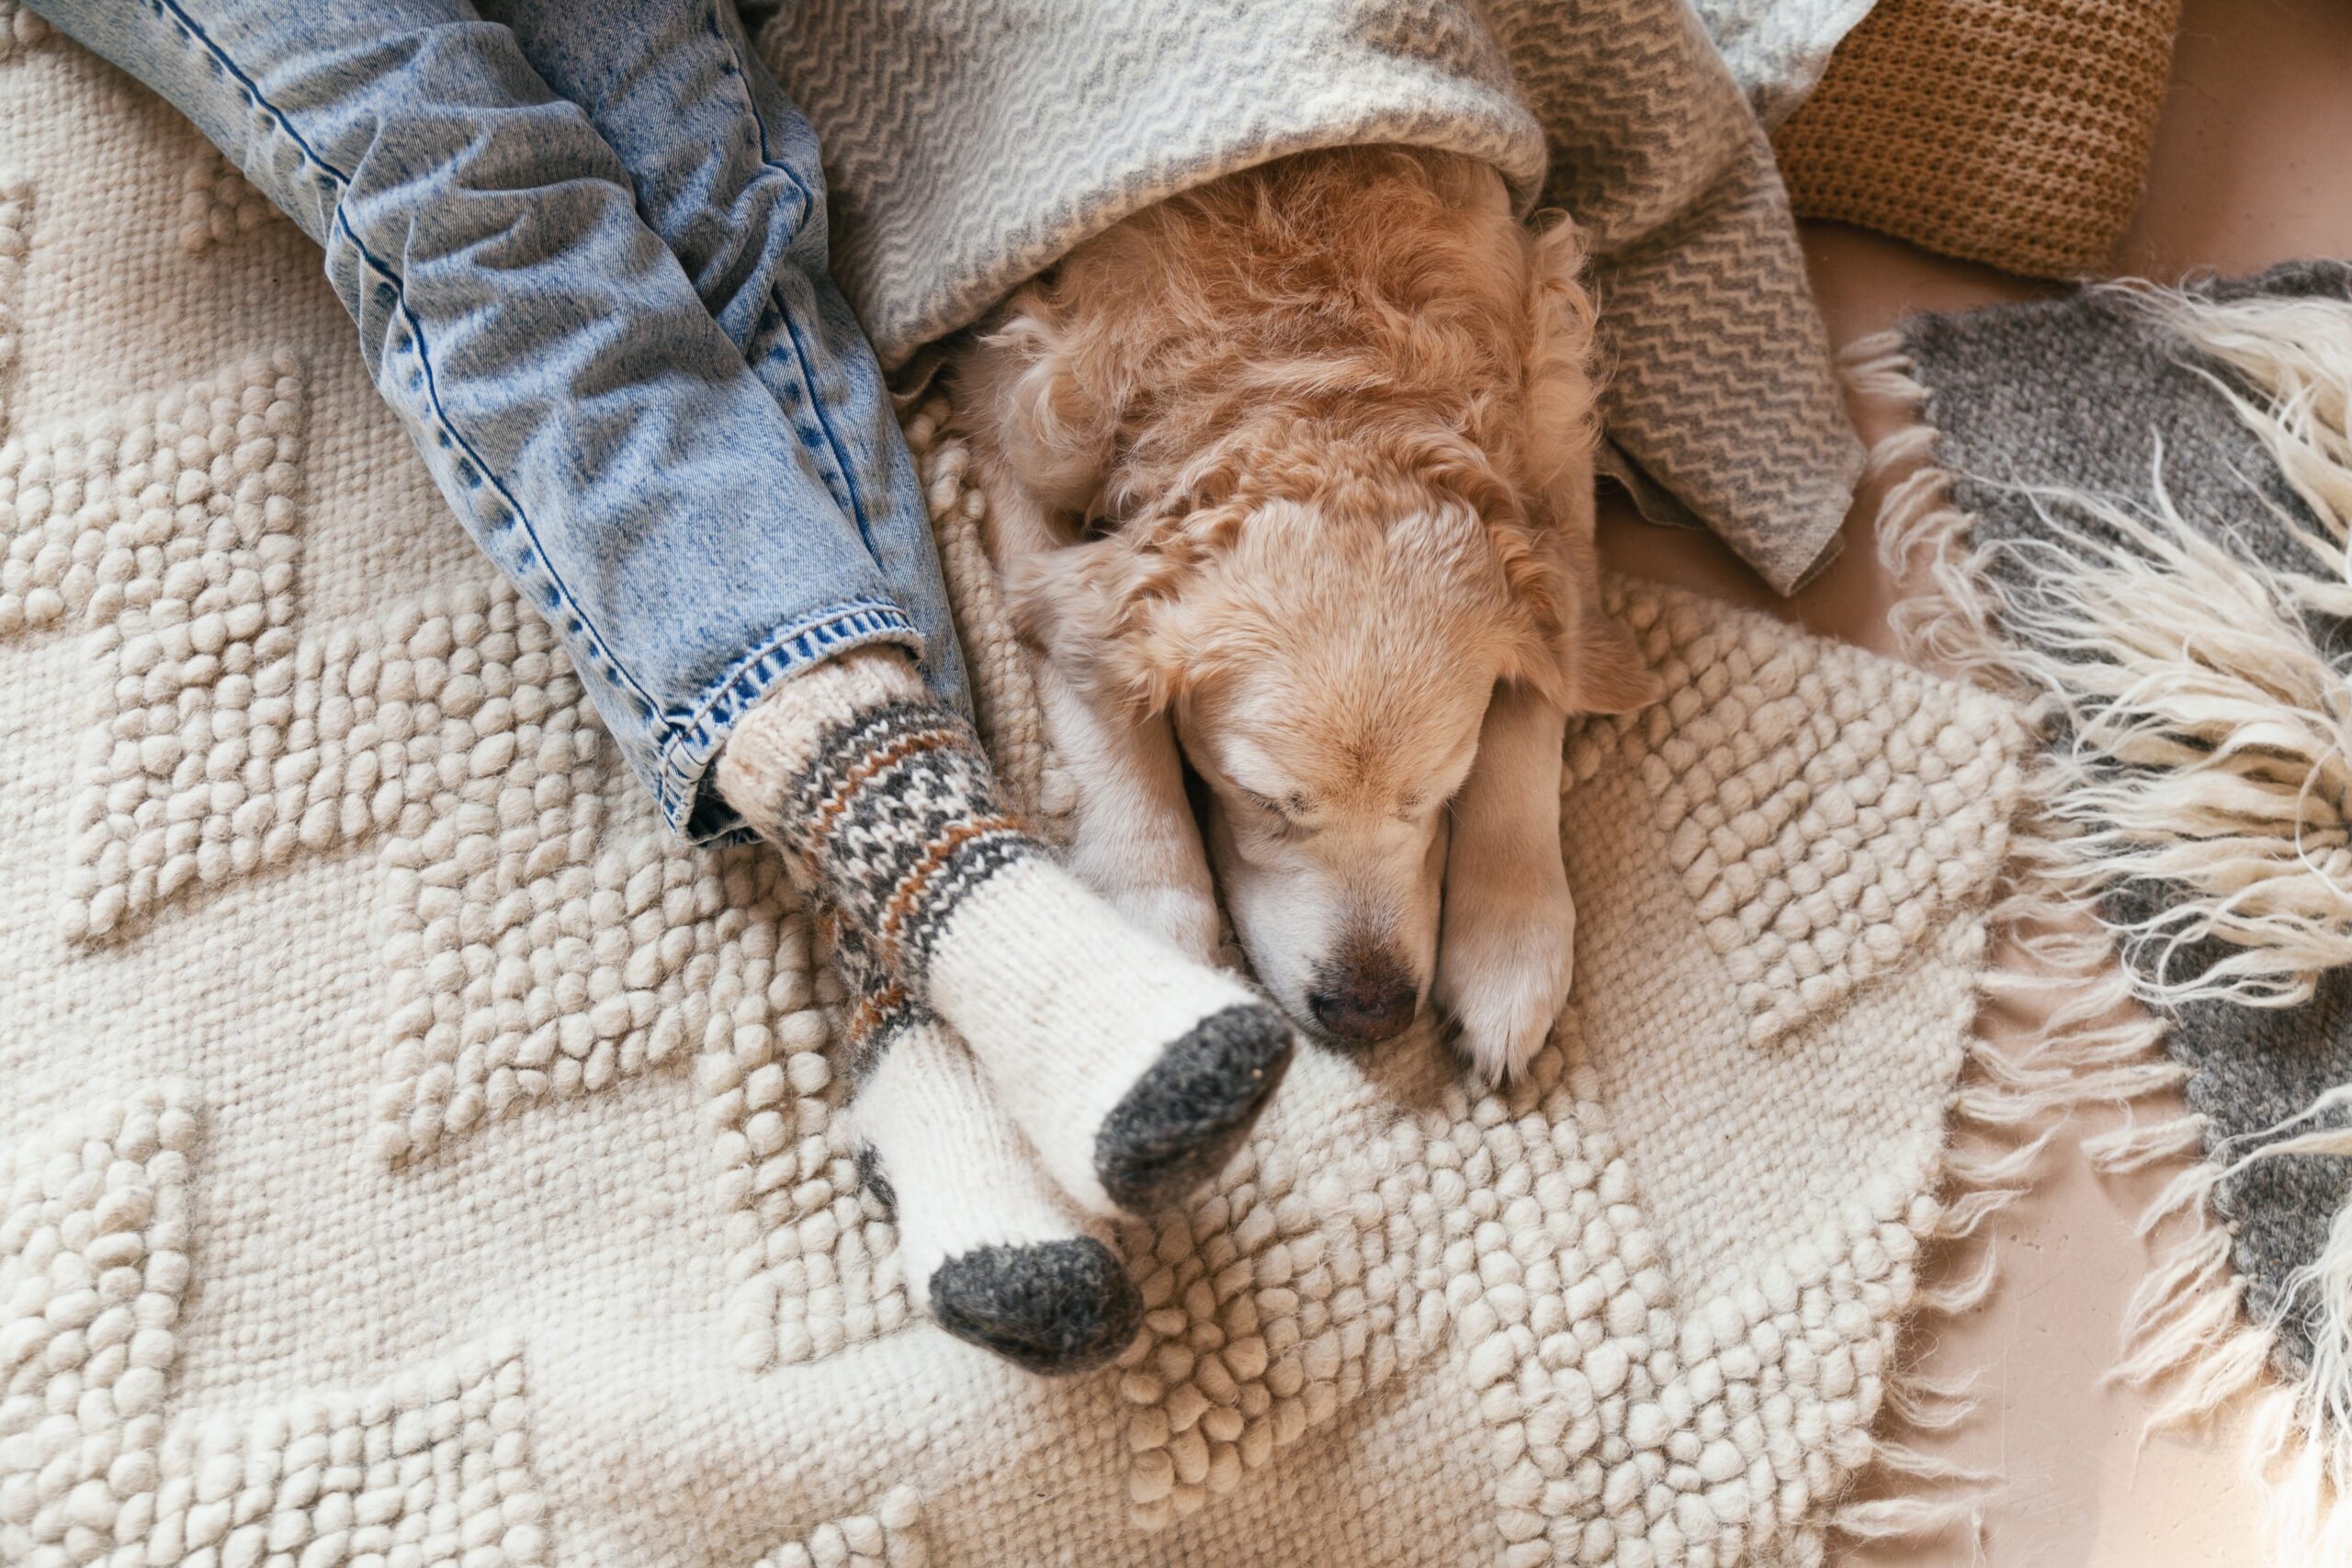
x=1362, y=995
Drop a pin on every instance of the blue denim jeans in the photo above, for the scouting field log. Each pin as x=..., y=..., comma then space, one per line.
x=585, y=248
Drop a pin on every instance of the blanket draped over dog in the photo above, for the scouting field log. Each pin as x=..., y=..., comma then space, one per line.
x=2136, y=509
x=410, y=1154
x=968, y=146
x=1777, y=49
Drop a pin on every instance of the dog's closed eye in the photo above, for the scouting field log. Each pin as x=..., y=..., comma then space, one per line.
x=1280, y=816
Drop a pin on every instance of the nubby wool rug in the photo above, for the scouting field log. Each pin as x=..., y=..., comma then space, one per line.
x=411, y=1154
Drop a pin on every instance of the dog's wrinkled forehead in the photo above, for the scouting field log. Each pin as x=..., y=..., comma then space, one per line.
x=1311, y=777
x=1312, y=734
x=1361, y=658
x=1340, y=585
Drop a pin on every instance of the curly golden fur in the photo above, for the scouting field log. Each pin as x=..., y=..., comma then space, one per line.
x=1294, y=471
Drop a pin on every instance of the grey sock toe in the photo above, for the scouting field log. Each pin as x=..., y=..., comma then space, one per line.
x=1180, y=1123
x=1050, y=1306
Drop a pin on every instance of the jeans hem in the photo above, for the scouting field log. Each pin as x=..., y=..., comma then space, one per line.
x=683, y=764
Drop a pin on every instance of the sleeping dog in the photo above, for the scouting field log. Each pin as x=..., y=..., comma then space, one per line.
x=1290, y=479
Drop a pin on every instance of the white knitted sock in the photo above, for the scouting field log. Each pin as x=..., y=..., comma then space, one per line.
x=1136, y=1068
x=989, y=1248
x=1133, y=1069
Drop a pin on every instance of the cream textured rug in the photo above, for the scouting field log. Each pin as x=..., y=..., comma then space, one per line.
x=409, y=1156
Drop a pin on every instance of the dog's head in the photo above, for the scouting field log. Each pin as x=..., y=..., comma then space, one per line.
x=1341, y=475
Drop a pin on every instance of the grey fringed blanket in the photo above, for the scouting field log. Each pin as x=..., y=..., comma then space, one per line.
x=2136, y=508
x=968, y=146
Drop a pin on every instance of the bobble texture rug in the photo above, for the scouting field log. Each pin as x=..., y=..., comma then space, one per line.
x=411, y=1154
x=2134, y=510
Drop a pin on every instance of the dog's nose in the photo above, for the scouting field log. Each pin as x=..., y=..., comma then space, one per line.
x=1364, y=999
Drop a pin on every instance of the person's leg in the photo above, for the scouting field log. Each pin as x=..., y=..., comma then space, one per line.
x=726, y=172
x=590, y=425
x=1132, y=1069
x=606, y=443
x=988, y=1248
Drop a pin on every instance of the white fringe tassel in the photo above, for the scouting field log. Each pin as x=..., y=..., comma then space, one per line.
x=1922, y=1496
x=2212, y=752
x=1902, y=1493
x=2210, y=738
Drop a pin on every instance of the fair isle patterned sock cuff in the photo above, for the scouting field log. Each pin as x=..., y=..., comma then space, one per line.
x=1133, y=1070
x=897, y=811
x=884, y=796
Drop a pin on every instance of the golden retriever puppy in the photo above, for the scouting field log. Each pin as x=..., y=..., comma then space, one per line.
x=1290, y=479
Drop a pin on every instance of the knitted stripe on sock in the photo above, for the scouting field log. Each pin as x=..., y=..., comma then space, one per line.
x=884, y=793
x=899, y=807
x=774, y=743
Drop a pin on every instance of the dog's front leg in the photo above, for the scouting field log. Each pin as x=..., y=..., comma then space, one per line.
x=1133, y=838
x=1134, y=841
x=1506, y=949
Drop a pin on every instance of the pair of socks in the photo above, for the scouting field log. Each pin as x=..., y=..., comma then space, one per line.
x=1021, y=1058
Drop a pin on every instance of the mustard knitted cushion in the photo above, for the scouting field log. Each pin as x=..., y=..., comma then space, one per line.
x=2010, y=131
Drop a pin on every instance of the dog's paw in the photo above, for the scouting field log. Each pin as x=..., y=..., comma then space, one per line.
x=1503, y=971
x=1184, y=918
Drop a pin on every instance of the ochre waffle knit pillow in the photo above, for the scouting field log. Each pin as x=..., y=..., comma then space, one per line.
x=2010, y=131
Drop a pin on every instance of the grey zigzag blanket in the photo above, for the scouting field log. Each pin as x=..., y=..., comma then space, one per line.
x=2136, y=509
x=967, y=146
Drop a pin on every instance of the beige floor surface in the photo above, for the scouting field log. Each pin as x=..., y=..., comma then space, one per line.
x=2253, y=166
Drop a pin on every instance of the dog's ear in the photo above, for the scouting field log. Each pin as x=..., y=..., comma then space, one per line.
x=1562, y=387
x=1594, y=664
x=1584, y=661
x=1056, y=411
x=1539, y=640
x=1106, y=614
x=1580, y=658
x=1571, y=649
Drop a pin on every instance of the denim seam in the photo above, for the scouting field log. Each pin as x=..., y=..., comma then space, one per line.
x=748, y=678
x=775, y=295
x=752, y=110
x=812, y=622
x=817, y=411
x=519, y=518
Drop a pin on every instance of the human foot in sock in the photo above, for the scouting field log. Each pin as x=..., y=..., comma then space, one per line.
x=1133, y=1069
x=987, y=1247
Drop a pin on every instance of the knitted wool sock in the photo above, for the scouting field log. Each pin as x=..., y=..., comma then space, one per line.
x=1133, y=1070
x=988, y=1246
